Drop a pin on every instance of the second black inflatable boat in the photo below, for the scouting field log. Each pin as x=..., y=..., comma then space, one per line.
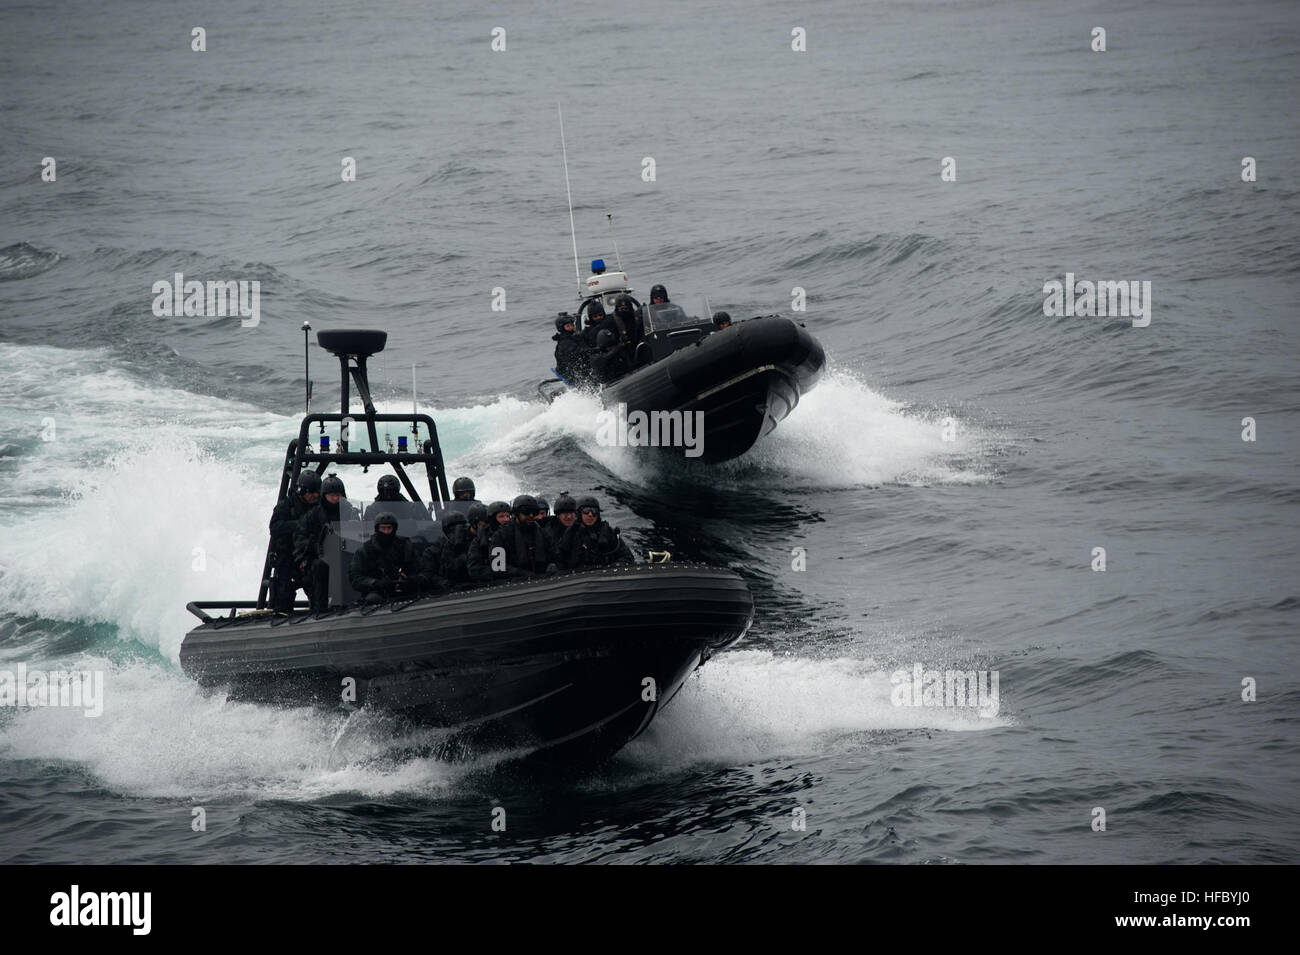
x=737, y=382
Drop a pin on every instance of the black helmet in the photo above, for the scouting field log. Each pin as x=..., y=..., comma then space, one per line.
x=564, y=318
x=476, y=513
x=332, y=485
x=451, y=519
x=565, y=503
x=588, y=502
x=308, y=481
x=387, y=517
x=624, y=305
x=496, y=507
x=461, y=485
x=658, y=291
x=595, y=308
x=721, y=318
x=543, y=504
x=389, y=488
x=524, y=502
x=606, y=338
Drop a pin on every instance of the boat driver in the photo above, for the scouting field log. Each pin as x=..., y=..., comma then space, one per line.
x=388, y=497
x=462, y=496
x=658, y=295
x=387, y=566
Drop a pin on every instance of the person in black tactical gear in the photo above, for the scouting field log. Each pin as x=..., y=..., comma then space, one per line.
x=720, y=321
x=309, y=539
x=453, y=566
x=591, y=542
x=387, y=567
x=627, y=320
x=388, y=498
x=613, y=361
x=479, y=560
x=522, y=542
x=498, y=515
x=595, y=322
x=566, y=513
x=543, y=511
x=570, y=353
x=431, y=556
x=658, y=295
x=462, y=496
x=285, y=578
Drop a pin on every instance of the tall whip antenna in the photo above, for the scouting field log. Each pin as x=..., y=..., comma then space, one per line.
x=573, y=232
x=306, y=364
x=415, y=425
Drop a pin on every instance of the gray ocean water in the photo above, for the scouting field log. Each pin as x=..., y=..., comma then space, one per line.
x=1119, y=690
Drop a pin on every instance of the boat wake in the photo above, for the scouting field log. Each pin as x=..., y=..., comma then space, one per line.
x=161, y=736
x=842, y=435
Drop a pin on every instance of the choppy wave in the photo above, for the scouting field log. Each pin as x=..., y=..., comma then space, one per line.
x=22, y=261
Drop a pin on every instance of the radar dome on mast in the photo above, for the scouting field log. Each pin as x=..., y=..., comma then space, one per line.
x=603, y=282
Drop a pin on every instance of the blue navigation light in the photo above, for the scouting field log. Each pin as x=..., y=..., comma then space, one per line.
x=401, y=443
x=597, y=266
x=324, y=443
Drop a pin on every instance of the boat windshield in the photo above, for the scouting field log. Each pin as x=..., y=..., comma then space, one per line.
x=666, y=316
x=413, y=521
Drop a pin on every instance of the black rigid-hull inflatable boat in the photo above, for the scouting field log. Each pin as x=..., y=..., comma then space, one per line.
x=565, y=665
x=576, y=664
x=744, y=378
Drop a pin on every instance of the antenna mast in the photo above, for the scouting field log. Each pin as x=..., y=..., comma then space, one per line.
x=617, y=255
x=306, y=364
x=573, y=232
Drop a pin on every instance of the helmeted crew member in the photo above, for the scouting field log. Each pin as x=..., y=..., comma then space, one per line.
x=658, y=295
x=286, y=578
x=431, y=556
x=595, y=322
x=309, y=539
x=721, y=320
x=627, y=320
x=570, y=353
x=386, y=566
x=566, y=514
x=543, y=511
x=498, y=515
x=454, y=553
x=462, y=496
x=591, y=542
x=388, y=497
x=614, y=359
x=479, y=560
x=523, y=542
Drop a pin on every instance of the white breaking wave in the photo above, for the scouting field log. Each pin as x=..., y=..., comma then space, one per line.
x=842, y=435
x=161, y=736
x=752, y=705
